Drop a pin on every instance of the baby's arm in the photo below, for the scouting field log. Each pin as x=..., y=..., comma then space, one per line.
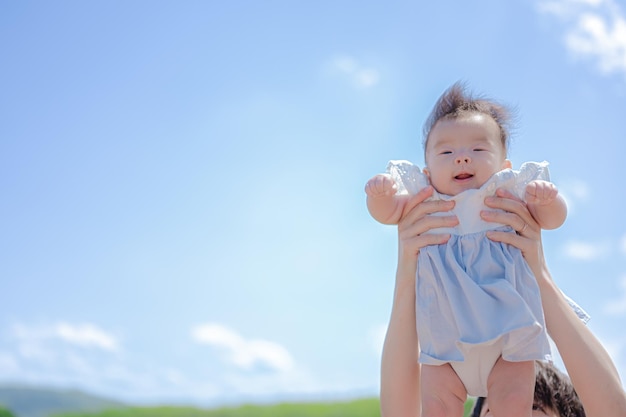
x=382, y=201
x=546, y=204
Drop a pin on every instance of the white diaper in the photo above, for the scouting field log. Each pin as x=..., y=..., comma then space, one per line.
x=476, y=367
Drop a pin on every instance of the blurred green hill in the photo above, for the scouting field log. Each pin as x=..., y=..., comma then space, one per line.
x=23, y=401
x=40, y=402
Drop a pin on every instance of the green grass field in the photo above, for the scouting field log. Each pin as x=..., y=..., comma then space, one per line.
x=357, y=408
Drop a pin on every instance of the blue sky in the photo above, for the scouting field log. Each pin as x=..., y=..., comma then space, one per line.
x=182, y=211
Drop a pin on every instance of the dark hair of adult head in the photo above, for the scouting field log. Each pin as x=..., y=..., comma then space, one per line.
x=457, y=102
x=553, y=391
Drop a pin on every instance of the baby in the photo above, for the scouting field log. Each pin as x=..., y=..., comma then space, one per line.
x=480, y=323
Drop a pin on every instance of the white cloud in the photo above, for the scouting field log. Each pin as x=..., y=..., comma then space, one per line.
x=84, y=335
x=574, y=191
x=594, y=29
x=345, y=64
x=568, y=9
x=70, y=355
x=83, y=355
x=58, y=354
x=246, y=354
x=593, y=37
x=586, y=251
x=367, y=77
x=360, y=76
x=617, y=306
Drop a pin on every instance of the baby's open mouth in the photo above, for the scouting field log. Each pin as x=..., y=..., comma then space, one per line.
x=463, y=176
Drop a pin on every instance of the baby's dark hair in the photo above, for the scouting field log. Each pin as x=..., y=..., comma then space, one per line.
x=553, y=391
x=457, y=102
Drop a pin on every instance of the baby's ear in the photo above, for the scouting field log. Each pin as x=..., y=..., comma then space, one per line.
x=506, y=164
x=426, y=172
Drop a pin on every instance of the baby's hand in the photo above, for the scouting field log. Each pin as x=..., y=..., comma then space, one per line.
x=541, y=192
x=381, y=185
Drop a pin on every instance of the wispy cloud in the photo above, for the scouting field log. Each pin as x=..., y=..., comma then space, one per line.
x=586, y=251
x=59, y=351
x=245, y=353
x=85, y=335
x=87, y=356
x=618, y=306
x=358, y=75
x=574, y=191
x=594, y=29
x=623, y=245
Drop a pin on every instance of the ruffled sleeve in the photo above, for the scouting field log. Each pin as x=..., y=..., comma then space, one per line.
x=530, y=171
x=582, y=314
x=408, y=177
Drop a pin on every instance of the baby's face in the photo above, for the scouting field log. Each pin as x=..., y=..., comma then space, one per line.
x=464, y=153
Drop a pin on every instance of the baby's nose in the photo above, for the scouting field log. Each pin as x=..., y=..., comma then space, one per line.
x=463, y=159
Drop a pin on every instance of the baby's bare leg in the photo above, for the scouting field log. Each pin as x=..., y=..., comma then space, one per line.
x=511, y=387
x=443, y=393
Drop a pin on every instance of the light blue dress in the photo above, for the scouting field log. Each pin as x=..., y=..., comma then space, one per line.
x=475, y=295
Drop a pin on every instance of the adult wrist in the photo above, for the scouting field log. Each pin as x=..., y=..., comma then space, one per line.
x=407, y=268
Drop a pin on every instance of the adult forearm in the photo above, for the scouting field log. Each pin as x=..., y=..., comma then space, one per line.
x=588, y=364
x=400, y=371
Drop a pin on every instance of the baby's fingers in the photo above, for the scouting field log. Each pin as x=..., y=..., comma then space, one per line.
x=380, y=185
x=541, y=192
x=388, y=186
x=549, y=192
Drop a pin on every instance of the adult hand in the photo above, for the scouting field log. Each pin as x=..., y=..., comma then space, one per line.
x=515, y=214
x=415, y=222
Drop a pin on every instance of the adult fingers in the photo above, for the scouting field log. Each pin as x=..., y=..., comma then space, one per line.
x=530, y=247
x=515, y=214
x=421, y=225
x=413, y=243
x=528, y=228
x=512, y=239
x=417, y=206
x=417, y=199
